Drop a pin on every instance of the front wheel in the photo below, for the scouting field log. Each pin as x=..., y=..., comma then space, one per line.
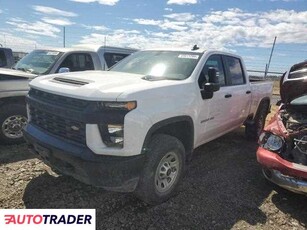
x=13, y=118
x=163, y=170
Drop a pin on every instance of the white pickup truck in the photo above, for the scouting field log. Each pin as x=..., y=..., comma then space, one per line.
x=14, y=82
x=132, y=128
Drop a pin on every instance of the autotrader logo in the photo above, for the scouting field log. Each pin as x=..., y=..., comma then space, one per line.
x=24, y=219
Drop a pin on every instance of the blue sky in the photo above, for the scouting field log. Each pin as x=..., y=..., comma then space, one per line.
x=245, y=27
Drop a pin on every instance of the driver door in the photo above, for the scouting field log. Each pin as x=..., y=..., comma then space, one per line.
x=213, y=120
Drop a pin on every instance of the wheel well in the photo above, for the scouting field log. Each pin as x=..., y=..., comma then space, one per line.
x=13, y=100
x=250, y=119
x=182, y=130
x=265, y=101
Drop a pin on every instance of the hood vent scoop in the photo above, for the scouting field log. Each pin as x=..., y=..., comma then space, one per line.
x=70, y=81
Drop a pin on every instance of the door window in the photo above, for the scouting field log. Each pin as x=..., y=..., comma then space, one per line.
x=78, y=62
x=235, y=71
x=113, y=58
x=214, y=61
x=2, y=59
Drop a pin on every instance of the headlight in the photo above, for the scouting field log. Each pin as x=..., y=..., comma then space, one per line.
x=112, y=127
x=270, y=141
x=128, y=106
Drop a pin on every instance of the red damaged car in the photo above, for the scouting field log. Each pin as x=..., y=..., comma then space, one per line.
x=283, y=142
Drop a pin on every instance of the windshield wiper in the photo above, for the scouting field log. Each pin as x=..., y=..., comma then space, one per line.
x=154, y=78
x=22, y=69
x=27, y=70
x=158, y=78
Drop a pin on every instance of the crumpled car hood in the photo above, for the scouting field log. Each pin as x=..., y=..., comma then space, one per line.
x=16, y=73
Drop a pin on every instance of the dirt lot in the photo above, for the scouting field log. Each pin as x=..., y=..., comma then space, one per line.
x=223, y=189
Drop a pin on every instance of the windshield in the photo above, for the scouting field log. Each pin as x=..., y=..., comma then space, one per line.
x=162, y=64
x=38, y=61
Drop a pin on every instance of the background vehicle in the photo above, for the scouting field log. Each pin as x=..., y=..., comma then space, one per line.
x=283, y=144
x=133, y=128
x=6, y=58
x=14, y=82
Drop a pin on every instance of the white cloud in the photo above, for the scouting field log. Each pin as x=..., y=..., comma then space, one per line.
x=39, y=27
x=163, y=24
x=58, y=21
x=180, y=16
x=174, y=25
x=1, y=11
x=53, y=11
x=168, y=9
x=219, y=29
x=102, y=2
x=288, y=16
x=181, y=2
x=159, y=34
x=143, y=21
x=21, y=43
x=237, y=27
x=97, y=28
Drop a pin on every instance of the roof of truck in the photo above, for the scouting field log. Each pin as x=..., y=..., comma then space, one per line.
x=93, y=48
x=179, y=49
x=198, y=51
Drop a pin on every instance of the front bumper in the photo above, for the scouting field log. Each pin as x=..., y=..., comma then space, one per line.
x=110, y=172
x=286, y=174
x=290, y=183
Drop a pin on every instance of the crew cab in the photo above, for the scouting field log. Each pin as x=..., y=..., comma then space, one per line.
x=283, y=143
x=14, y=82
x=133, y=128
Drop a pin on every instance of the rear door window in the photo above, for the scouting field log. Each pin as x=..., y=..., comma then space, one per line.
x=78, y=62
x=234, y=70
x=112, y=58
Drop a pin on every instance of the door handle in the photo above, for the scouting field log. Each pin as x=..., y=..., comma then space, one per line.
x=228, y=95
x=248, y=92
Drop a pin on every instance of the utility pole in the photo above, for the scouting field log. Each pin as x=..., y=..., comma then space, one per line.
x=267, y=66
x=104, y=51
x=64, y=36
x=4, y=40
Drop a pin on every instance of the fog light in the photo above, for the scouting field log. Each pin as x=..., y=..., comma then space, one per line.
x=112, y=135
x=116, y=133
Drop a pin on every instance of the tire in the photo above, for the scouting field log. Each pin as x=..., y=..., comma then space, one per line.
x=13, y=118
x=162, y=149
x=253, y=131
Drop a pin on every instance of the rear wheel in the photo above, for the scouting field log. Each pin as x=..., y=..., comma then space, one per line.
x=13, y=118
x=163, y=169
x=253, y=131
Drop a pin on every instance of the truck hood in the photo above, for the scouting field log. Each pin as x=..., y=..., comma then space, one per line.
x=16, y=73
x=294, y=84
x=94, y=85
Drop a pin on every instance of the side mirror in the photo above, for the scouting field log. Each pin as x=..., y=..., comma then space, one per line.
x=213, y=75
x=64, y=70
x=212, y=86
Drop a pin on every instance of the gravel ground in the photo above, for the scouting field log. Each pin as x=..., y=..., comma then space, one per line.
x=223, y=189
